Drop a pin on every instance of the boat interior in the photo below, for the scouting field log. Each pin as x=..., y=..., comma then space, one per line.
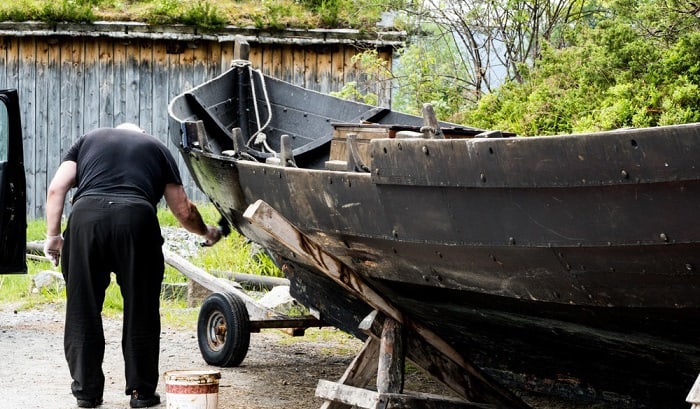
x=249, y=116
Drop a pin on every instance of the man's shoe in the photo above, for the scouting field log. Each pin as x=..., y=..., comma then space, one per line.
x=140, y=401
x=89, y=403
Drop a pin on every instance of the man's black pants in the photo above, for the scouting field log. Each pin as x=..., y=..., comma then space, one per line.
x=119, y=235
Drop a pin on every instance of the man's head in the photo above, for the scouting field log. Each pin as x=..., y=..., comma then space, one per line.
x=130, y=126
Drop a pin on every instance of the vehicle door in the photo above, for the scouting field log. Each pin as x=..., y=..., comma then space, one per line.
x=13, y=212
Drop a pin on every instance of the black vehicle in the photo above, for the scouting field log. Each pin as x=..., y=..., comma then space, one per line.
x=13, y=214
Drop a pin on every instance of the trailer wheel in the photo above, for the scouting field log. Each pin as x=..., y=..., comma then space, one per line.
x=223, y=330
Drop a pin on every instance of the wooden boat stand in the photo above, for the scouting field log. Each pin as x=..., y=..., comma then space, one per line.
x=392, y=337
x=383, y=355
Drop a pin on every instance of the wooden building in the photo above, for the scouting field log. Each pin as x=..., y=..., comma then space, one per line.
x=72, y=78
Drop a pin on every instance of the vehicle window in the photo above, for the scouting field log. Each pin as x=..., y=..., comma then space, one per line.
x=4, y=131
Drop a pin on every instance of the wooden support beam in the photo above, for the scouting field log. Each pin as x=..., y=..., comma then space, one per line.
x=362, y=398
x=390, y=371
x=423, y=355
x=383, y=356
x=280, y=235
x=360, y=372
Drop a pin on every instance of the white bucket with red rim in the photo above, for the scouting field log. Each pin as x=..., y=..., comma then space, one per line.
x=192, y=389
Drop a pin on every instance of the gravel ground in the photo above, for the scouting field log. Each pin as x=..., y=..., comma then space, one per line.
x=278, y=372
x=275, y=373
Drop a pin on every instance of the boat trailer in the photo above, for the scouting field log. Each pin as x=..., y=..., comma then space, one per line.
x=229, y=315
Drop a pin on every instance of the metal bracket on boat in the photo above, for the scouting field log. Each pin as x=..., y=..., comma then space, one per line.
x=431, y=128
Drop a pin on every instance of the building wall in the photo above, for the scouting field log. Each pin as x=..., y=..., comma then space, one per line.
x=69, y=84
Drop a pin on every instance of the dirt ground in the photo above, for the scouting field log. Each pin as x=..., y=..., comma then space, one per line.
x=276, y=373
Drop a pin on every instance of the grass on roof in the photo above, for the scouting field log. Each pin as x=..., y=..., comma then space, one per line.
x=208, y=15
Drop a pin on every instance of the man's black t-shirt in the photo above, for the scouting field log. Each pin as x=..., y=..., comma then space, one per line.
x=119, y=162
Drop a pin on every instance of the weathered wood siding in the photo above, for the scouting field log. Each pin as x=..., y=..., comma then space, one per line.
x=71, y=84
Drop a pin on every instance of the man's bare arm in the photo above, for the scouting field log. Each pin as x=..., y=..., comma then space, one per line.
x=187, y=214
x=62, y=182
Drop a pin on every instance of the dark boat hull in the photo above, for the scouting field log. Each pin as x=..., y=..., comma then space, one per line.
x=567, y=264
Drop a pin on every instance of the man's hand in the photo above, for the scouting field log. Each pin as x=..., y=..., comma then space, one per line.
x=212, y=236
x=52, y=248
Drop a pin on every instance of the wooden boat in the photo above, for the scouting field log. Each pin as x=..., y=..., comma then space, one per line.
x=565, y=264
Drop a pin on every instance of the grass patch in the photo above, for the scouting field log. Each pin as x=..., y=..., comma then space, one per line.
x=233, y=253
x=341, y=342
x=236, y=254
x=178, y=315
x=208, y=15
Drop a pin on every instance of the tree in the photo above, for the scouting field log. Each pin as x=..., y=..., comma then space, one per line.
x=627, y=70
x=497, y=39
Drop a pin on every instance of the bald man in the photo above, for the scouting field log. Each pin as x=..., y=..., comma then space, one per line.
x=120, y=174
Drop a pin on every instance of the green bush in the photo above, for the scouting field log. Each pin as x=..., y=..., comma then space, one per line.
x=66, y=10
x=204, y=15
x=163, y=12
x=232, y=253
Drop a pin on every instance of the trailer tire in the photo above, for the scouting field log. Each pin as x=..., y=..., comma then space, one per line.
x=223, y=330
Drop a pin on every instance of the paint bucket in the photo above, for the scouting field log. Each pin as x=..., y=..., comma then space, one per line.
x=192, y=389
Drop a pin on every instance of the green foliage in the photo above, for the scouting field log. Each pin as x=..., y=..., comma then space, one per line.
x=273, y=16
x=36, y=230
x=200, y=14
x=615, y=74
x=328, y=11
x=374, y=71
x=204, y=15
x=79, y=11
x=429, y=72
x=19, y=11
x=163, y=12
x=623, y=63
x=352, y=93
x=350, y=13
x=235, y=254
